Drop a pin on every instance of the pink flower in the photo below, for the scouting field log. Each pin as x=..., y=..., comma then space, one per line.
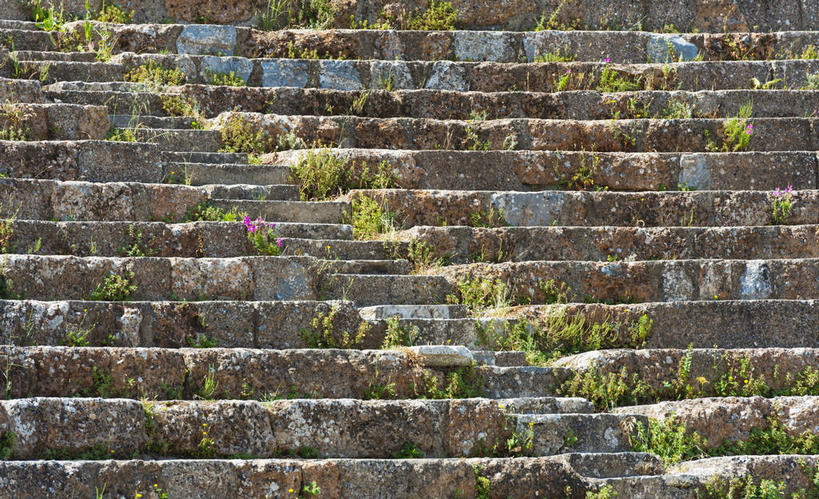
x=789, y=190
x=279, y=242
x=749, y=129
x=777, y=192
x=607, y=60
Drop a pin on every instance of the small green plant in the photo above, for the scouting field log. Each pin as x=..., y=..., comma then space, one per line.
x=155, y=76
x=206, y=448
x=487, y=219
x=604, y=492
x=311, y=489
x=781, y=205
x=462, y=382
x=182, y=105
x=112, y=13
x=7, y=440
x=123, y=134
x=284, y=14
x=746, y=488
x=553, y=22
x=483, y=486
x=114, y=287
x=668, y=439
x=480, y=295
x=560, y=55
x=408, y=451
x=322, y=174
x=370, y=219
x=323, y=333
x=812, y=82
x=737, y=132
x=209, y=385
x=230, y=79
x=13, y=127
x=262, y=236
x=439, y=16
x=238, y=135
x=612, y=81
x=206, y=212
x=137, y=248
x=202, y=341
x=398, y=335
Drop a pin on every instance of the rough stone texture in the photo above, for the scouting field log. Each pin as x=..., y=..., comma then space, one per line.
x=729, y=419
x=442, y=355
x=207, y=39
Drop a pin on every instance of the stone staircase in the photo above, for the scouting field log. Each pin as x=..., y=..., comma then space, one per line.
x=594, y=269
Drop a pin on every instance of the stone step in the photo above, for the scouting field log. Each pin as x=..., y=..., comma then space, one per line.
x=16, y=36
x=367, y=282
x=659, y=16
x=269, y=192
x=516, y=46
x=331, y=428
x=366, y=290
x=558, y=434
x=196, y=239
x=17, y=24
x=592, y=209
x=466, y=76
x=146, y=121
x=21, y=91
x=34, y=55
x=70, y=201
x=538, y=170
x=648, y=281
x=548, y=476
x=261, y=324
x=181, y=140
x=446, y=104
x=640, y=135
x=708, y=371
x=711, y=417
x=215, y=173
x=699, y=324
x=519, y=244
x=37, y=122
x=221, y=158
x=181, y=374
x=53, y=71
x=382, y=312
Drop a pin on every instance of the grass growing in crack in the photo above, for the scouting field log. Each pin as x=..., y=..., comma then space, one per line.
x=114, y=287
x=736, y=132
x=287, y=14
x=184, y=106
x=325, y=331
x=398, y=335
x=137, y=248
x=206, y=212
x=13, y=128
x=781, y=205
x=155, y=76
x=370, y=219
x=439, y=16
x=7, y=440
x=322, y=174
x=559, y=55
x=462, y=382
x=408, y=451
x=480, y=295
x=230, y=79
x=239, y=135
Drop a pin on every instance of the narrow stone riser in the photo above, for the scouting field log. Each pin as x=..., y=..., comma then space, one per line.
x=461, y=76
x=52, y=200
x=367, y=290
x=544, y=477
x=181, y=140
x=247, y=278
x=257, y=375
x=577, y=105
x=465, y=245
x=539, y=170
x=202, y=239
x=712, y=418
x=642, y=135
x=232, y=324
x=333, y=428
x=778, y=369
x=619, y=46
x=552, y=434
x=55, y=121
x=701, y=324
x=653, y=281
x=242, y=278
x=205, y=173
x=644, y=209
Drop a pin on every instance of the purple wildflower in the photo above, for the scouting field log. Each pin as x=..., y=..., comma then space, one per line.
x=777, y=192
x=749, y=129
x=279, y=242
x=607, y=60
x=789, y=189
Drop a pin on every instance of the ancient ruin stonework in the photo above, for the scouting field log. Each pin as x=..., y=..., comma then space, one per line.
x=409, y=248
